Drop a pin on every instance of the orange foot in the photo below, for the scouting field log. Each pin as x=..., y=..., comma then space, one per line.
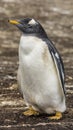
x=57, y=116
x=31, y=112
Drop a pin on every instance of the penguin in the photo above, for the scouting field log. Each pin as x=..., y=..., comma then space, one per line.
x=41, y=71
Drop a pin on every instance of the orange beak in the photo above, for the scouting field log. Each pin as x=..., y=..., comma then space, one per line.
x=13, y=22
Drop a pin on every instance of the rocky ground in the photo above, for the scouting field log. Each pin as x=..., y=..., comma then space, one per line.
x=56, y=16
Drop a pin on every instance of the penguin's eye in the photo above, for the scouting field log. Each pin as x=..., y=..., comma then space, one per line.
x=29, y=26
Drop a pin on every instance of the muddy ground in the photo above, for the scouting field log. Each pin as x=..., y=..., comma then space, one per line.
x=56, y=16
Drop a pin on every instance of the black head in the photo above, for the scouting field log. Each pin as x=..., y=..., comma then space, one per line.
x=29, y=26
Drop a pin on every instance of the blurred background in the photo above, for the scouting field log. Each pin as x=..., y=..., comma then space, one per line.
x=56, y=16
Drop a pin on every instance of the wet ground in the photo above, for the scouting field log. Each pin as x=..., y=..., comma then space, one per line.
x=56, y=16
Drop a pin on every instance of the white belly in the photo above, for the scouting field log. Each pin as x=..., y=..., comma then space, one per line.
x=39, y=80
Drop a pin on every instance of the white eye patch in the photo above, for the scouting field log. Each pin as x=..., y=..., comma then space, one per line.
x=32, y=22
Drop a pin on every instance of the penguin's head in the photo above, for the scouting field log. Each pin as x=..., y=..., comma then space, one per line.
x=29, y=26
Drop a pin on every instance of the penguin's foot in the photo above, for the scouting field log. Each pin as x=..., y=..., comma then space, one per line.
x=57, y=116
x=31, y=112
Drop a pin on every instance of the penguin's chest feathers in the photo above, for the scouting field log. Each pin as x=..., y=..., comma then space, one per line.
x=36, y=64
x=33, y=52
